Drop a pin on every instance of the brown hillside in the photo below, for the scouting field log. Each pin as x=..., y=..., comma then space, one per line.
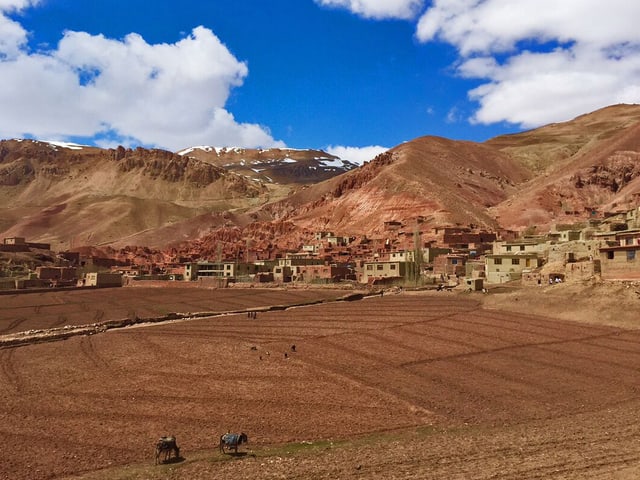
x=430, y=179
x=589, y=165
x=72, y=197
x=88, y=196
x=548, y=146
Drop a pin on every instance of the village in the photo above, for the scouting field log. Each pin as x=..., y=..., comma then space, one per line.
x=445, y=257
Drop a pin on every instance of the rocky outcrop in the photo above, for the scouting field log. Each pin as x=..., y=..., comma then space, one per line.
x=363, y=175
x=613, y=175
x=164, y=165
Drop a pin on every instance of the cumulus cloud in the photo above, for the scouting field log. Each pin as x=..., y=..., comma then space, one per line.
x=12, y=35
x=167, y=95
x=377, y=9
x=357, y=155
x=542, y=60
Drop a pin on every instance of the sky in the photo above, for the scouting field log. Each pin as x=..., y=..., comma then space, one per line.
x=351, y=77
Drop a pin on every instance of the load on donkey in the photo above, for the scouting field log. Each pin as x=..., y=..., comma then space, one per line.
x=231, y=441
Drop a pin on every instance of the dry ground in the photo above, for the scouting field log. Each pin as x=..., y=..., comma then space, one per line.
x=428, y=385
x=44, y=310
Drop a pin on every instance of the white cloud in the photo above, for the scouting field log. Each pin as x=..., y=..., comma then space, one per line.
x=378, y=9
x=582, y=55
x=357, y=155
x=12, y=35
x=497, y=25
x=167, y=95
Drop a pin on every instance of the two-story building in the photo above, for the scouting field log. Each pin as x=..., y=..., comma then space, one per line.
x=195, y=270
x=290, y=268
x=506, y=267
x=620, y=255
x=384, y=271
x=451, y=264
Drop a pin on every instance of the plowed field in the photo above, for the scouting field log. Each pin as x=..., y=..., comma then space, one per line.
x=402, y=386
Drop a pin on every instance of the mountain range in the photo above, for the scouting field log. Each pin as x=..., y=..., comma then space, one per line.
x=71, y=195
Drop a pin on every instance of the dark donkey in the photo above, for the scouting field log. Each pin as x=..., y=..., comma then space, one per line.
x=232, y=440
x=165, y=446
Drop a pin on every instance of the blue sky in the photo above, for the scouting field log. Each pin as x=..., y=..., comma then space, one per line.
x=349, y=76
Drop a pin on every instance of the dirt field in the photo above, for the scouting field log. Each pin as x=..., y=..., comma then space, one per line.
x=409, y=385
x=20, y=312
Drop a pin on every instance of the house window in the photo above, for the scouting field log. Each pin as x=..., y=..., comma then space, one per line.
x=379, y=267
x=454, y=261
x=508, y=248
x=522, y=248
x=497, y=261
x=631, y=255
x=610, y=255
x=515, y=261
x=369, y=267
x=392, y=266
x=628, y=241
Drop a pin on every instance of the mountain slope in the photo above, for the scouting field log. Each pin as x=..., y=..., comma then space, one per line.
x=430, y=179
x=273, y=166
x=590, y=164
x=201, y=197
x=83, y=195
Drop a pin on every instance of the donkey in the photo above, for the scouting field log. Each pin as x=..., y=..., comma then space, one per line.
x=166, y=445
x=232, y=440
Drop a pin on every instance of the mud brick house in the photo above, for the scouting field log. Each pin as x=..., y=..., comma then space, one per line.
x=19, y=244
x=10, y=245
x=450, y=264
x=474, y=268
x=620, y=258
x=536, y=245
x=331, y=238
x=57, y=275
x=633, y=215
x=102, y=279
x=15, y=241
x=327, y=273
x=402, y=256
x=311, y=248
x=506, y=267
x=564, y=236
x=469, y=240
x=573, y=251
x=290, y=267
x=430, y=253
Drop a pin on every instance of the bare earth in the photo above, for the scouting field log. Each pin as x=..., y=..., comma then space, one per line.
x=408, y=386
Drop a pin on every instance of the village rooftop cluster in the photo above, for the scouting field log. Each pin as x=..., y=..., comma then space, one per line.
x=444, y=257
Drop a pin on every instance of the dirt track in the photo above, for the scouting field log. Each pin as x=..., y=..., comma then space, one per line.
x=419, y=386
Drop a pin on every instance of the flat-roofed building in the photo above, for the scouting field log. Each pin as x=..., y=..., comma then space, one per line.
x=502, y=268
